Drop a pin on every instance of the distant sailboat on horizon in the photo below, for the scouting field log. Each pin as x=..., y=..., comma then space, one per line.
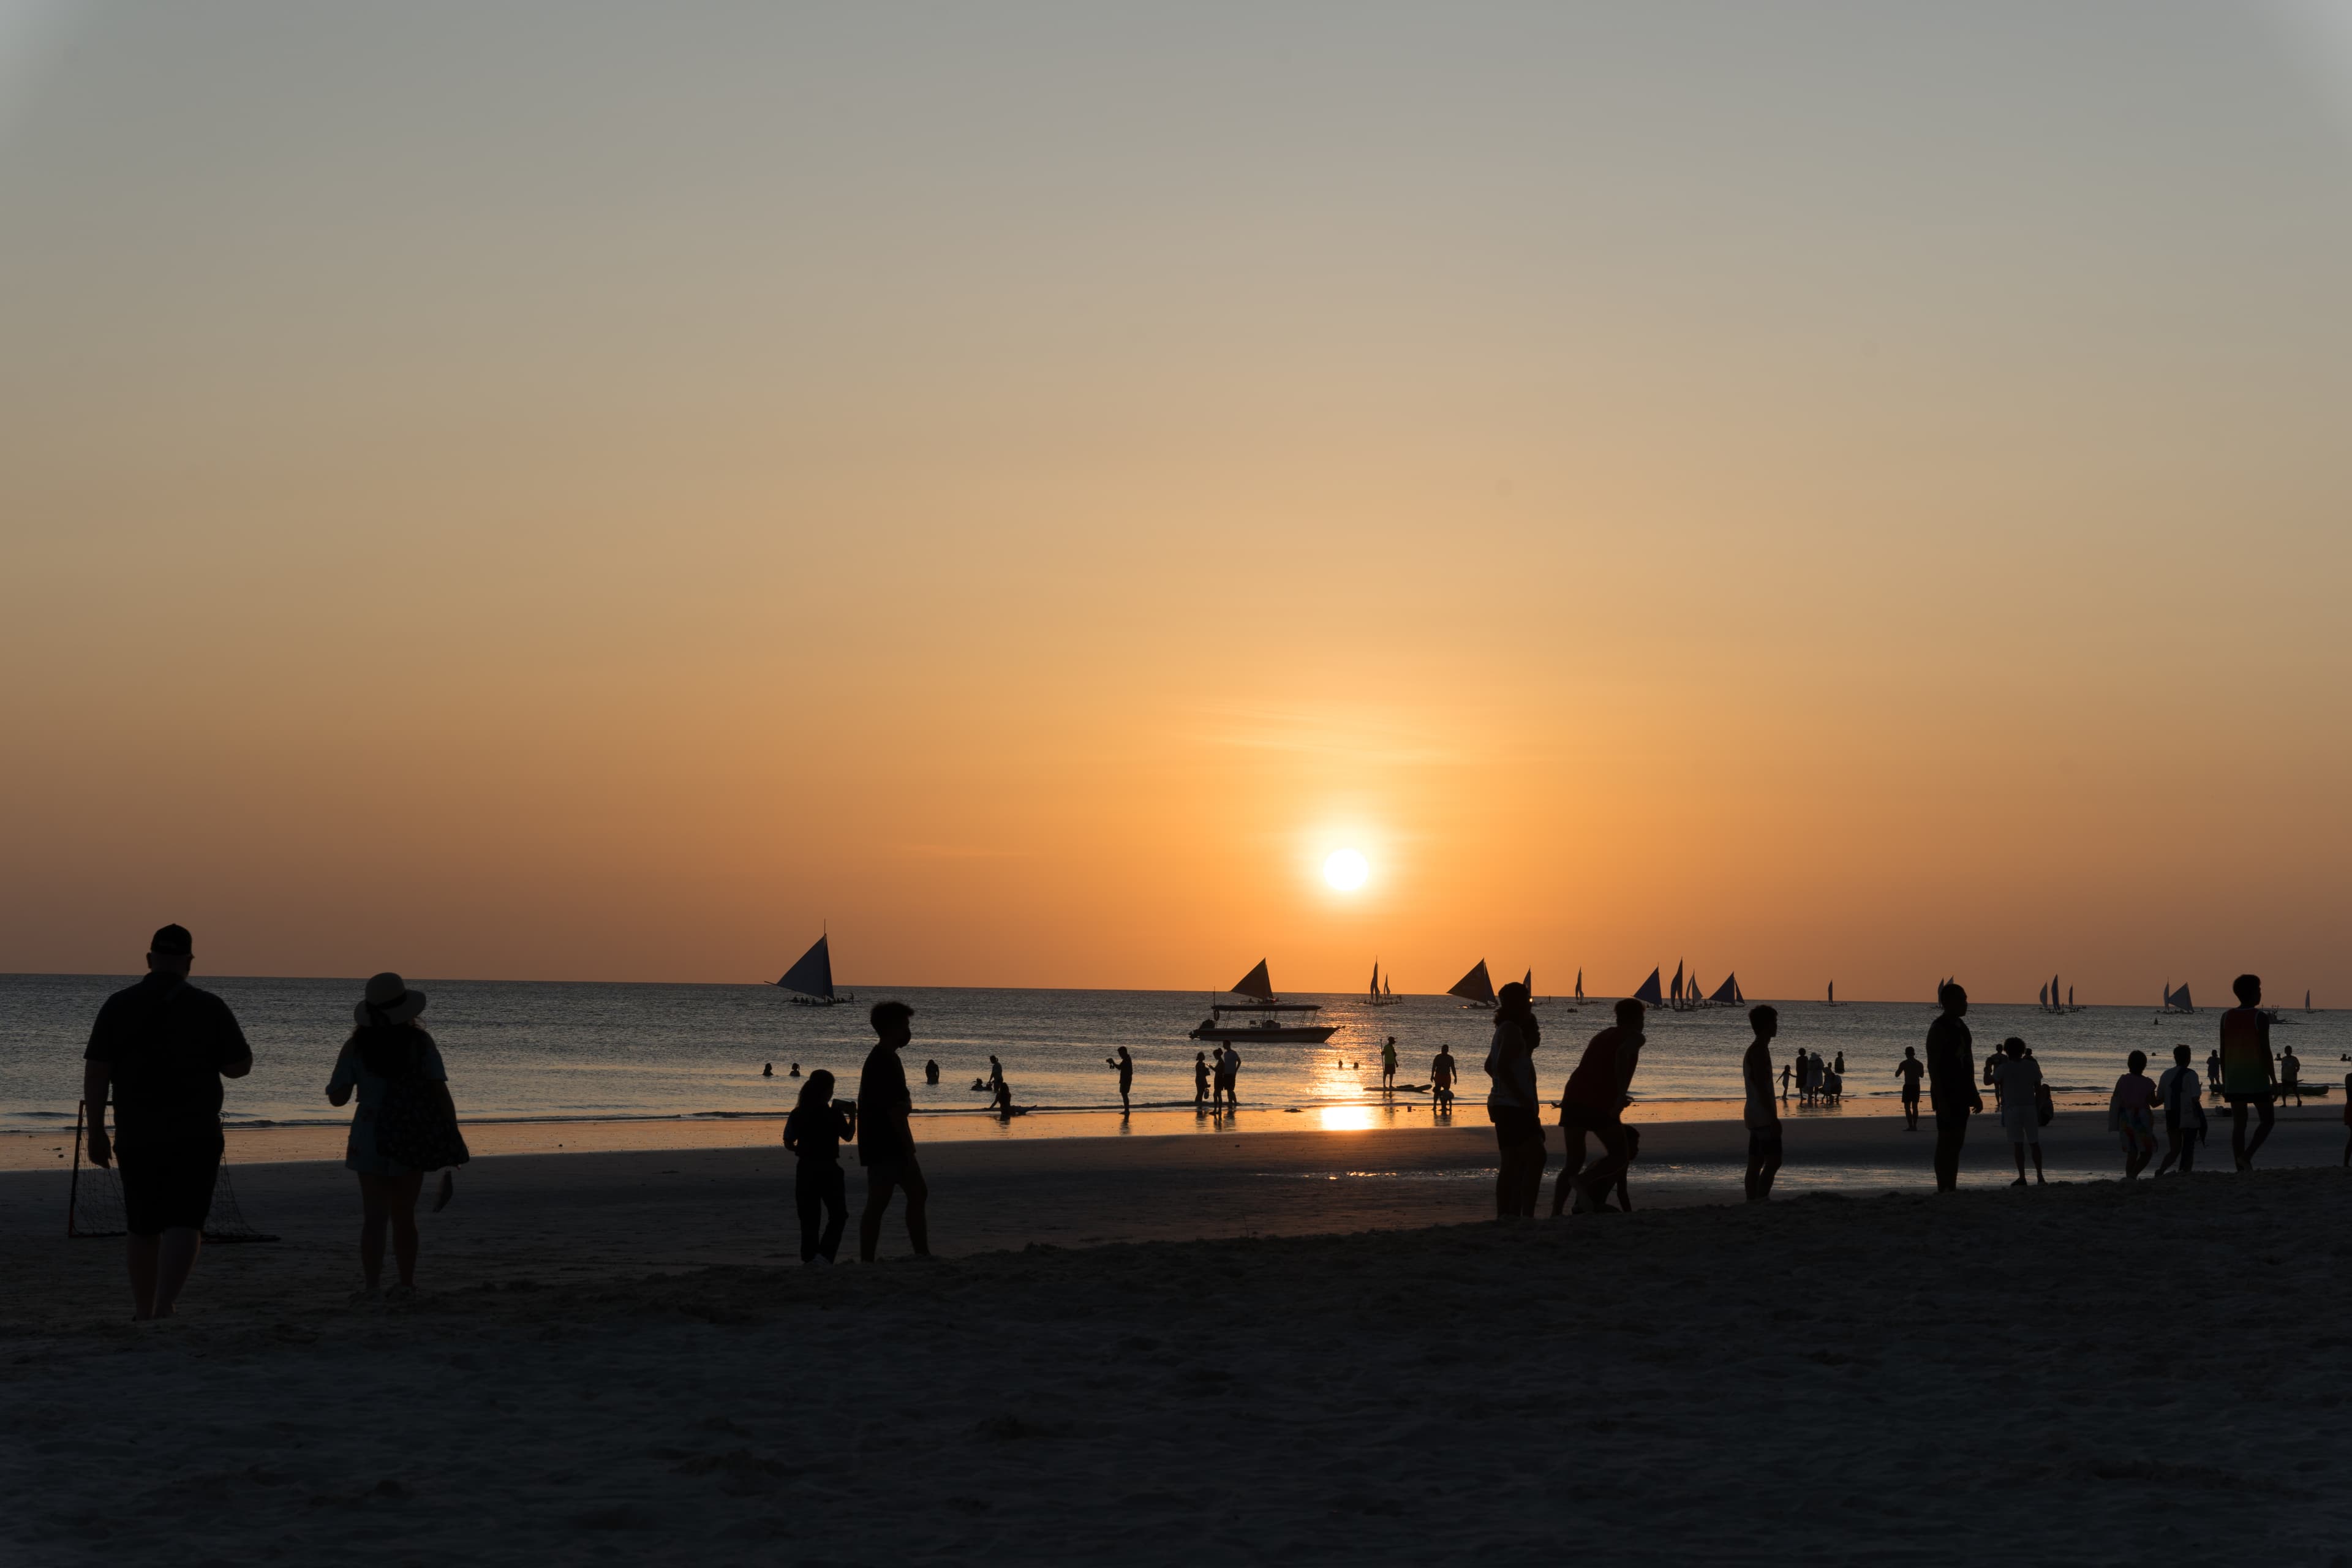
x=2178, y=1001
x=1579, y=987
x=1833, y=1000
x=811, y=980
x=1380, y=995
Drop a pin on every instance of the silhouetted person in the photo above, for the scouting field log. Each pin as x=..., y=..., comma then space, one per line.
x=2016, y=1076
x=813, y=1134
x=796, y=1072
x=930, y=1071
x=2131, y=1114
x=1951, y=1083
x=1594, y=1104
x=1200, y=1080
x=1125, y=1066
x=1229, y=1077
x=1442, y=1074
x=1839, y=1066
x=996, y=1090
x=1788, y=1074
x=1626, y=1174
x=1511, y=1103
x=2290, y=1072
x=2180, y=1094
x=163, y=1047
x=388, y=1048
x=767, y=1069
x=1388, y=1065
x=885, y=1142
x=1762, y=1112
x=2348, y=1120
x=2213, y=1070
x=1910, y=1069
x=2248, y=1073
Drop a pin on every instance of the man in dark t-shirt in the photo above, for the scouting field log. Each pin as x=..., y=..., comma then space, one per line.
x=885, y=1143
x=159, y=1048
x=1951, y=1082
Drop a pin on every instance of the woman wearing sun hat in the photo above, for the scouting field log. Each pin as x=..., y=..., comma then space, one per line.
x=388, y=1049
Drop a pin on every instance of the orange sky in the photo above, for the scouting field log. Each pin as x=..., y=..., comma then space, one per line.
x=1824, y=494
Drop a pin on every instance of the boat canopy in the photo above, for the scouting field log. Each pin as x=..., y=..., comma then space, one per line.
x=813, y=975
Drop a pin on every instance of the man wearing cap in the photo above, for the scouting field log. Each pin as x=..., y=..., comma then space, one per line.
x=163, y=1047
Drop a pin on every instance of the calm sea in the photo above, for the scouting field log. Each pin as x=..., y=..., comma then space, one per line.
x=546, y=1051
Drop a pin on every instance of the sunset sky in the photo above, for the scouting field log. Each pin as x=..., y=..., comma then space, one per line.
x=557, y=490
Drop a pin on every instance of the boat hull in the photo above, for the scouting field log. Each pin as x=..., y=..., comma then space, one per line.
x=1297, y=1035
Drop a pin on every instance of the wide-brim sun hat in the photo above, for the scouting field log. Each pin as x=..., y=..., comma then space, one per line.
x=391, y=999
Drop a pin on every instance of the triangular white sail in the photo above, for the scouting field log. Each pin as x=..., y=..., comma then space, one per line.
x=1649, y=991
x=1474, y=986
x=813, y=975
x=1256, y=983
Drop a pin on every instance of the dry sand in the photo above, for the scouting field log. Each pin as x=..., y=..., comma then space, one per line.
x=602, y=1366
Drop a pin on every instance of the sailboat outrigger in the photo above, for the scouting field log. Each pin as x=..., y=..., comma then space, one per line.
x=1259, y=987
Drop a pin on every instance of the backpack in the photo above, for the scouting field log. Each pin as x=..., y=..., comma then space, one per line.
x=416, y=1125
x=2044, y=1110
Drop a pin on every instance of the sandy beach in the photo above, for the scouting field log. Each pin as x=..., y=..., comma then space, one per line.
x=1307, y=1345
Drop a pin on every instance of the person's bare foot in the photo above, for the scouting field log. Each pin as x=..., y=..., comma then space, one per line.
x=447, y=1190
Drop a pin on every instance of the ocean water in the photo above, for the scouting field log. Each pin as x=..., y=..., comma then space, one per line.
x=556, y=1051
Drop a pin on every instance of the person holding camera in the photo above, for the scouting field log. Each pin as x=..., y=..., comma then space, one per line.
x=814, y=1135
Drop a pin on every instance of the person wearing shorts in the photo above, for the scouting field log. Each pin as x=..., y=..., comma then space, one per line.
x=1951, y=1081
x=2180, y=1093
x=1910, y=1069
x=2249, y=1075
x=1511, y=1104
x=161, y=1047
x=2017, y=1079
x=1762, y=1113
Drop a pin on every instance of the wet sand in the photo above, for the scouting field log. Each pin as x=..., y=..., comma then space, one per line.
x=618, y=1355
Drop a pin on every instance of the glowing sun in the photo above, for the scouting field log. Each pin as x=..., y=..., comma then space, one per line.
x=1346, y=870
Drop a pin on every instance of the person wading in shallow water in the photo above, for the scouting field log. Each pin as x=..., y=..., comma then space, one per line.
x=1125, y=1065
x=885, y=1143
x=1951, y=1083
x=1511, y=1103
x=163, y=1047
x=1441, y=1077
x=2249, y=1076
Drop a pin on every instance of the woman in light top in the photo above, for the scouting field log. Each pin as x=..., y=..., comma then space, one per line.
x=388, y=1047
x=2016, y=1076
x=2131, y=1112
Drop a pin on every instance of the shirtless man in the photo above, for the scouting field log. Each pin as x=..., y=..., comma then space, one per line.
x=1441, y=1077
x=2249, y=1075
x=2290, y=1075
x=1388, y=1065
x=1125, y=1065
x=1910, y=1069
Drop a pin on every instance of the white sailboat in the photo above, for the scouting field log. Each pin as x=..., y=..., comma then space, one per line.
x=2178, y=1001
x=1832, y=1002
x=1579, y=987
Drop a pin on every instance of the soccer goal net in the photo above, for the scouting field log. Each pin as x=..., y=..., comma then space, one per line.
x=94, y=1200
